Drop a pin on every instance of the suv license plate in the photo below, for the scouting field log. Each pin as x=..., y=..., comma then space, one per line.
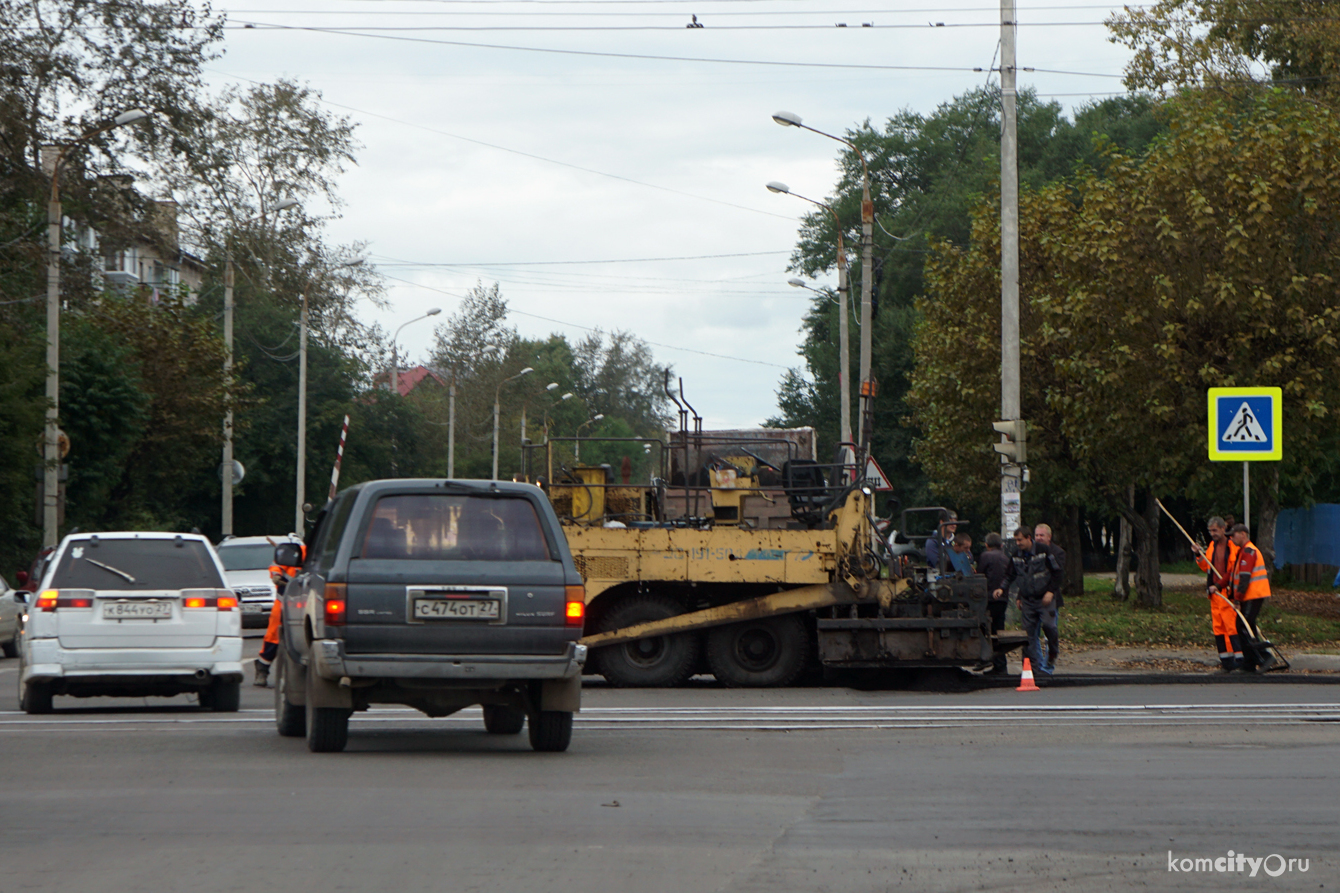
x=136, y=610
x=255, y=608
x=456, y=608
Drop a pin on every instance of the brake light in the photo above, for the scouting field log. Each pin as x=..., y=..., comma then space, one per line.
x=195, y=603
x=47, y=600
x=227, y=603
x=336, y=606
x=224, y=601
x=575, y=611
x=71, y=602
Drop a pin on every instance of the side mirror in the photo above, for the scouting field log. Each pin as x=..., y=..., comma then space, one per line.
x=21, y=596
x=288, y=555
x=22, y=577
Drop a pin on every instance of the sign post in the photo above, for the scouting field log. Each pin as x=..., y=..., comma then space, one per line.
x=1246, y=425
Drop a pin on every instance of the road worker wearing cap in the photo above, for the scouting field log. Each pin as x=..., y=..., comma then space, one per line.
x=1252, y=588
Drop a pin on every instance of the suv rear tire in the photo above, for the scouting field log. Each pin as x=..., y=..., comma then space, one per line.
x=656, y=662
x=11, y=648
x=327, y=727
x=290, y=719
x=551, y=731
x=499, y=719
x=36, y=698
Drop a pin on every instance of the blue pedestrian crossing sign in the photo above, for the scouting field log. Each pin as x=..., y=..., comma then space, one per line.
x=1246, y=425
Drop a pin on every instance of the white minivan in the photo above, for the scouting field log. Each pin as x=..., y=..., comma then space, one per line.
x=135, y=615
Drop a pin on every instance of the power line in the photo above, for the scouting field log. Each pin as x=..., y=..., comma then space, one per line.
x=551, y=263
x=863, y=26
x=531, y=155
x=563, y=322
x=644, y=56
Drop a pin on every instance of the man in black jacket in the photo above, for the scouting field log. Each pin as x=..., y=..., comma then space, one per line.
x=1034, y=579
x=995, y=565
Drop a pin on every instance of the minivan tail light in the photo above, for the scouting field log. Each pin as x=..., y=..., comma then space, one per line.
x=47, y=600
x=336, y=605
x=227, y=602
x=575, y=610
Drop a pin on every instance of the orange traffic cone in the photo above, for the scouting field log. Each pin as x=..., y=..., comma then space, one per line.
x=1026, y=682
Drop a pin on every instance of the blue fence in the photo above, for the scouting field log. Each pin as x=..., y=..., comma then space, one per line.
x=1308, y=536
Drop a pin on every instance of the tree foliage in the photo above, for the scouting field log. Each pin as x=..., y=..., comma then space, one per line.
x=1209, y=262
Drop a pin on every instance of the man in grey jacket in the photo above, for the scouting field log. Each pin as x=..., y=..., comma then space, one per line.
x=1034, y=579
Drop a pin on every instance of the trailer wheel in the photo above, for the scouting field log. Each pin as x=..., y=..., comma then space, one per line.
x=655, y=662
x=762, y=653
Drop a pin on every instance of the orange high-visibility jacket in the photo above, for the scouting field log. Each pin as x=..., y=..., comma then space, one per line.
x=1252, y=581
x=1208, y=564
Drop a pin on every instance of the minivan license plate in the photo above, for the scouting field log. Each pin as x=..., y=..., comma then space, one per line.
x=456, y=609
x=136, y=610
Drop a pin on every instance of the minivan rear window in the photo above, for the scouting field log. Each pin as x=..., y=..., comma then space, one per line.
x=449, y=527
x=137, y=565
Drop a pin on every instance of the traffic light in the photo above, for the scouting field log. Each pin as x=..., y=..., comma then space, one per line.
x=1015, y=446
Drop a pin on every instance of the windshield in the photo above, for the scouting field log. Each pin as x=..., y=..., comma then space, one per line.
x=137, y=565
x=442, y=527
x=255, y=557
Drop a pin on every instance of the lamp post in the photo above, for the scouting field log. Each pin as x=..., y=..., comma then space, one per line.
x=788, y=119
x=395, y=363
x=226, y=513
x=51, y=431
x=568, y=396
x=298, y=514
x=551, y=387
x=497, y=395
x=844, y=338
x=577, y=444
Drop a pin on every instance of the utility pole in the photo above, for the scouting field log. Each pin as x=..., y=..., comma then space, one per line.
x=1011, y=478
x=867, y=282
x=299, y=516
x=844, y=339
x=451, y=427
x=227, y=512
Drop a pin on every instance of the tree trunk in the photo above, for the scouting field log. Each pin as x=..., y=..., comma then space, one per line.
x=1070, y=538
x=1145, y=527
x=1270, y=511
x=1122, y=590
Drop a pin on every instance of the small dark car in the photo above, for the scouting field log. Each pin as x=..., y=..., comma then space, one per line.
x=436, y=594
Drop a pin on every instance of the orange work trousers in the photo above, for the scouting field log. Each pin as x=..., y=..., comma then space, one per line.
x=1225, y=621
x=270, y=646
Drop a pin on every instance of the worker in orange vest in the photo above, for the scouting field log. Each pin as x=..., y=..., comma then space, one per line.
x=1252, y=588
x=1218, y=561
x=280, y=575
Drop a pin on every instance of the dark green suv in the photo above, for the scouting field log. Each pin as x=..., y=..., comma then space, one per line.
x=438, y=595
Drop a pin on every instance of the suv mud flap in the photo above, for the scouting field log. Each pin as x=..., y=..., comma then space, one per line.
x=325, y=693
x=562, y=694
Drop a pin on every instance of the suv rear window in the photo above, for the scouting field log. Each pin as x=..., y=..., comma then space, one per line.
x=444, y=527
x=145, y=564
x=257, y=557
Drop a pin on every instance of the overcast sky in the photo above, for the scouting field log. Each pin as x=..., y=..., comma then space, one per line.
x=618, y=191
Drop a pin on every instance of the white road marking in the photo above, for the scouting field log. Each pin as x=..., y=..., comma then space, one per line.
x=779, y=719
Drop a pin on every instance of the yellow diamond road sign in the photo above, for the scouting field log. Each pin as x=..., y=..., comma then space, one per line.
x=1246, y=424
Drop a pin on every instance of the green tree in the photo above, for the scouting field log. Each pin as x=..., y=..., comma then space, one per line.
x=1208, y=262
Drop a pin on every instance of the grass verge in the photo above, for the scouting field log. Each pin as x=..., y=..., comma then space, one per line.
x=1297, y=619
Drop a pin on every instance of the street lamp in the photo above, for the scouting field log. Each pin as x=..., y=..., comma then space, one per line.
x=789, y=119
x=844, y=338
x=577, y=444
x=51, y=432
x=568, y=396
x=299, y=516
x=551, y=387
x=226, y=520
x=395, y=389
x=497, y=395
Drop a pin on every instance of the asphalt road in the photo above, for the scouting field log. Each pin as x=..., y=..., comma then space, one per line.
x=697, y=789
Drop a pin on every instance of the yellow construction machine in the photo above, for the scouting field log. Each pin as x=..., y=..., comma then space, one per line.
x=744, y=557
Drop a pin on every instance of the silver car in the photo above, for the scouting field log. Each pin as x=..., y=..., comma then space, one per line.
x=246, y=567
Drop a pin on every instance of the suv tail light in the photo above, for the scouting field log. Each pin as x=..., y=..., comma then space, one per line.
x=336, y=605
x=574, y=612
x=51, y=599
